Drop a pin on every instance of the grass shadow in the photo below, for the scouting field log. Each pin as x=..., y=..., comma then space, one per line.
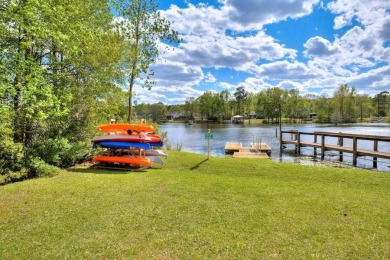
x=107, y=170
x=197, y=166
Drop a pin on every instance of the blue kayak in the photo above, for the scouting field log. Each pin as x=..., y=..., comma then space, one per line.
x=122, y=145
x=156, y=144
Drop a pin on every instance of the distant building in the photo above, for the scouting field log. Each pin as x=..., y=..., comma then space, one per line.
x=252, y=115
x=237, y=119
x=175, y=115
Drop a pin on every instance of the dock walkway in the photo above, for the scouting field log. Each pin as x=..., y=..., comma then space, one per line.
x=258, y=150
x=340, y=147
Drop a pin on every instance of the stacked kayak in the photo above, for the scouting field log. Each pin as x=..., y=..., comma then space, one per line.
x=132, y=145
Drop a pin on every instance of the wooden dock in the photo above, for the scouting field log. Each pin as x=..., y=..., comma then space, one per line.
x=259, y=150
x=321, y=144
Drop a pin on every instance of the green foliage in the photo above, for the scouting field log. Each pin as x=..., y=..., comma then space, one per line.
x=60, y=152
x=11, y=157
x=39, y=168
x=241, y=96
x=58, y=74
x=12, y=162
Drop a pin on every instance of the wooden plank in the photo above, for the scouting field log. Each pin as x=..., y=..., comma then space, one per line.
x=263, y=147
x=250, y=155
x=231, y=147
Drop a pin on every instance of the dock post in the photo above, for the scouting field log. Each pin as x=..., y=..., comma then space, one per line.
x=340, y=143
x=208, y=144
x=354, y=153
x=280, y=141
x=322, y=146
x=375, y=159
x=299, y=143
x=315, y=141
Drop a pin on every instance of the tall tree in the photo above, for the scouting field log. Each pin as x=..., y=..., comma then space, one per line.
x=381, y=103
x=142, y=27
x=225, y=100
x=344, y=101
x=241, y=96
x=324, y=109
x=209, y=104
x=363, y=105
x=191, y=107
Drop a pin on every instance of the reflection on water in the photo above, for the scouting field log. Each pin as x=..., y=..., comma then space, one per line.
x=192, y=139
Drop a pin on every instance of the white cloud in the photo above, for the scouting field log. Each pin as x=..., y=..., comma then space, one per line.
x=231, y=36
x=366, y=12
x=253, y=14
x=285, y=70
x=254, y=85
x=210, y=78
x=319, y=47
x=384, y=32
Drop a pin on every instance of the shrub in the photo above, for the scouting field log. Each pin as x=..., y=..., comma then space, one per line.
x=39, y=168
x=11, y=157
x=60, y=152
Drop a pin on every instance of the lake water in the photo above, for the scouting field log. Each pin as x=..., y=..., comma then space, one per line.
x=191, y=138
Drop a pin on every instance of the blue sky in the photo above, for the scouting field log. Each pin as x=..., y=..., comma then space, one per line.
x=310, y=45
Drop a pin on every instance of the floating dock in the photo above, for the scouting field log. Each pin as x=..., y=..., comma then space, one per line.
x=257, y=150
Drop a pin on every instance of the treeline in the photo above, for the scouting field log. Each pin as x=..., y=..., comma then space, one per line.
x=344, y=106
x=61, y=63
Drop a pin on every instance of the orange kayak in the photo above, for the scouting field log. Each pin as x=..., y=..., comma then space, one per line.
x=123, y=128
x=133, y=161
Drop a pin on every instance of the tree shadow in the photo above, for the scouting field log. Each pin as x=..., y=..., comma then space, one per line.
x=197, y=166
x=107, y=170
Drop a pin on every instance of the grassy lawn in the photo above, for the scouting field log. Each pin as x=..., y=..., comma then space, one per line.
x=194, y=208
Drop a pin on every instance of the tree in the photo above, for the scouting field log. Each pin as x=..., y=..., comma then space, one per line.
x=344, y=102
x=241, y=96
x=324, y=109
x=191, y=107
x=158, y=112
x=225, y=98
x=381, y=103
x=58, y=62
x=363, y=105
x=142, y=27
x=209, y=105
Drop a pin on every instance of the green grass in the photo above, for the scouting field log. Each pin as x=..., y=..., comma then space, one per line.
x=194, y=208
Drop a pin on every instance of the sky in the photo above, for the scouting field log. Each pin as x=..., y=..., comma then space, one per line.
x=313, y=46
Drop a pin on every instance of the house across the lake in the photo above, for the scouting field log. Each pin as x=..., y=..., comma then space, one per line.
x=237, y=119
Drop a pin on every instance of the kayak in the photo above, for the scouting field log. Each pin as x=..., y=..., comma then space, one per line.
x=156, y=144
x=134, y=161
x=122, y=145
x=124, y=138
x=123, y=128
x=148, y=152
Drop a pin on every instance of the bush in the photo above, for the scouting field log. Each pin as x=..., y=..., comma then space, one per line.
x=39, y=168
x=11, y=157
x=60, y=152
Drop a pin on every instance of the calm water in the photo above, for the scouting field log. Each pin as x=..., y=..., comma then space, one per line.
x=192, y=139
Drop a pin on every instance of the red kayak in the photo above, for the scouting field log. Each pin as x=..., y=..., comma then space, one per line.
x=123, y=128
x=133, y=161
x=125, y=138
x=144, y=138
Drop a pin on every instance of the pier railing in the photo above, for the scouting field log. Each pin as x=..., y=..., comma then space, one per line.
x=320, y=142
